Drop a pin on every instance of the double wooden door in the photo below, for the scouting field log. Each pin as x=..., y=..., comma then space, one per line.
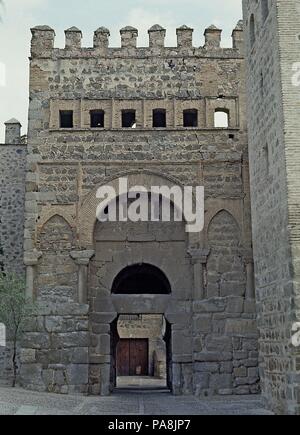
x=132, y=357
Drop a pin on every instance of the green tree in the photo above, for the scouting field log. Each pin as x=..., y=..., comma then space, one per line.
x=15, y=308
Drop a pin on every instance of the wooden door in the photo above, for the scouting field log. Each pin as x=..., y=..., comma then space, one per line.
x=132, y=357
x=123, y=358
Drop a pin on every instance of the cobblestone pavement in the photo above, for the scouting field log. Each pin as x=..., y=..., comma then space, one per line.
x=125, y=401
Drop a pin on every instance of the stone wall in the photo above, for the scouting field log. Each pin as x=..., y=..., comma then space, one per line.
x=226, y=326
x=12, y=211
x=12, y=207
x=272, y=46
x=210, y=300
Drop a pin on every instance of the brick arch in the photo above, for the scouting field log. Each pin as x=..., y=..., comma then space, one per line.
x=87, y=212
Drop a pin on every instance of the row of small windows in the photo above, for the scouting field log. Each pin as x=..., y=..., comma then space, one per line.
x=264, y=13
x=159, y=118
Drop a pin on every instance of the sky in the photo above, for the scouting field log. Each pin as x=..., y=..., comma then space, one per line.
x=18, y=16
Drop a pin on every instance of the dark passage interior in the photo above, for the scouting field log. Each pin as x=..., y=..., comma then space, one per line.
x=141, y=279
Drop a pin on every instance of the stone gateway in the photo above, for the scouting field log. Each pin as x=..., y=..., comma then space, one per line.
x=183, y=305
x=150, y=115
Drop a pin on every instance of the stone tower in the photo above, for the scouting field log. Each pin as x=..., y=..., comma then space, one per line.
x=12, y=212
x=160, y=117
x=12, y=198
x=273, y=55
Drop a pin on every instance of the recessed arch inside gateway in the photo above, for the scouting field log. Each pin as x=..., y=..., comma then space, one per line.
x=141, y=279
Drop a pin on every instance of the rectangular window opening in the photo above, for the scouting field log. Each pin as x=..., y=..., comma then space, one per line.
x=159, y=118
x=128, y=119
x=221, y=118
x=97, y=118
x=66, y=118
x=190, y=118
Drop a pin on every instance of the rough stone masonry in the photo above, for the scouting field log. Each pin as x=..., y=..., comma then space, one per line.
x=83, y=103
x=272, y=52
x=12, y=215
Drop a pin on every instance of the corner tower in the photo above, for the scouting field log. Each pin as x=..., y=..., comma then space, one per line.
x=12, y=198
x=272, y=56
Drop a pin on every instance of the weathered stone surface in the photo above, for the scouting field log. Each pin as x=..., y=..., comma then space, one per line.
x=201, y=381
x=207, y=367
x=214, y=305
x=213, y=356
x=36, y=340
x=272, y=54
x=12, y=203
x=31, y=374
x=203, y=323
x=78, y=374
x=71, y=339
x=27, y=356
x=53, y=324
x=80, y=355
x=241, y=327
x=221, y=381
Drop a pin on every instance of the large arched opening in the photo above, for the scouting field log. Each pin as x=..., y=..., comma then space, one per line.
x=136, y=287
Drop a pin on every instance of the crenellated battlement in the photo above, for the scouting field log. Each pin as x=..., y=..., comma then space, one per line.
x=43, y=42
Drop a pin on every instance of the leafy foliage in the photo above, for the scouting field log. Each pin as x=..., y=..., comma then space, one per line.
x=14, y=306
x=15, y=309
